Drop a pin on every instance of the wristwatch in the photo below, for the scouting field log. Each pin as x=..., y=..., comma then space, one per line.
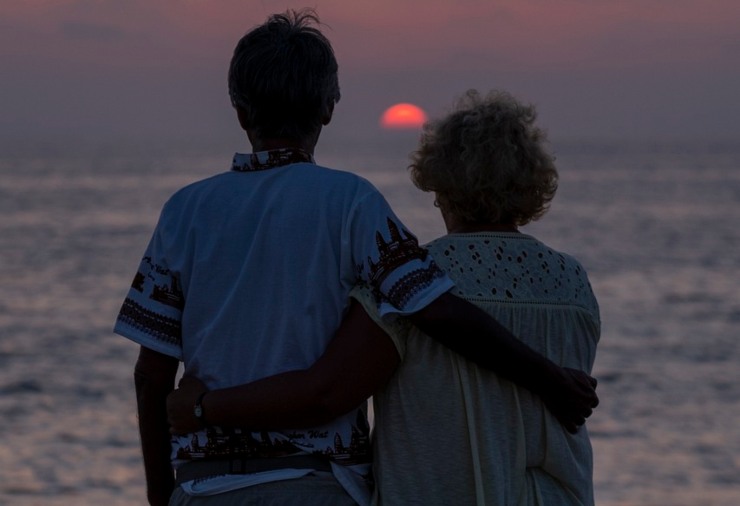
x=198, y=409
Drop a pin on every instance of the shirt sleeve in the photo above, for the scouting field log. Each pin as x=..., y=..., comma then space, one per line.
x=151, y=314
x=403, y=276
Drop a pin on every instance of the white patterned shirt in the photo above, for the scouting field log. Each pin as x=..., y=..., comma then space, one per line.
x=248, y=274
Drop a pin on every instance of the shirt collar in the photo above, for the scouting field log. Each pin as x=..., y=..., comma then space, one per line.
x=263, y=160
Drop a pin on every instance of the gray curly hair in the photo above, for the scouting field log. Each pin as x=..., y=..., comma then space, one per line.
x=283, y=75
x=486, y=161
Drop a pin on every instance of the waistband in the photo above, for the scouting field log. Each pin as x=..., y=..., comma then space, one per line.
x=197, y=469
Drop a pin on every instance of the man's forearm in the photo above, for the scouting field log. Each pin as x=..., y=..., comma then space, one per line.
x=356, y=363
x=474, y=334
x=569, y=394
x=154, y=378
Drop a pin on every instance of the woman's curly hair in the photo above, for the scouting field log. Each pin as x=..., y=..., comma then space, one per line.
x=486, y=161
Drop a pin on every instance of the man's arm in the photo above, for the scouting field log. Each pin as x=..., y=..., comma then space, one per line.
x=154, y=378
x=468, y=330
x=359, y=360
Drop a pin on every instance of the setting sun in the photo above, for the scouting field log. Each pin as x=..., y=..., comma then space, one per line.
x=402, y=116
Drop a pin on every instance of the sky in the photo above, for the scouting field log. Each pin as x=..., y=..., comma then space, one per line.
x=154, y=71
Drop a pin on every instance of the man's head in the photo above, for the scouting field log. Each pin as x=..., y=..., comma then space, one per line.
x=283, y=78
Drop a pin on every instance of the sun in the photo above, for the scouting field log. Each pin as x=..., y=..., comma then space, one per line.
x=403, y=116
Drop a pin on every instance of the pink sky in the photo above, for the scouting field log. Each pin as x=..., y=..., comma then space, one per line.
x=107, y=69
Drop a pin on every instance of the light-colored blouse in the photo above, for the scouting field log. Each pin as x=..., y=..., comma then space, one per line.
x=448, y=432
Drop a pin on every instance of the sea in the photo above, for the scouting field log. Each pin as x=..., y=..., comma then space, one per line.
x=656, y=225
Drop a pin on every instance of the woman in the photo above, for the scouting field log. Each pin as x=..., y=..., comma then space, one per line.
x=451, y=433
x=447, y=431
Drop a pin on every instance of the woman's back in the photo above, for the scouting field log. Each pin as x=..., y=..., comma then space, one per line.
x=451, y=433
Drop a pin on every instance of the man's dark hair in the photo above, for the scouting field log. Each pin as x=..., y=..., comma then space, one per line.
x=283, y=75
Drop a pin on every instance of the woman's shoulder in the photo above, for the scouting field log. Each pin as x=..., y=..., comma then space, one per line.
x=517, y=266
x=517, y=247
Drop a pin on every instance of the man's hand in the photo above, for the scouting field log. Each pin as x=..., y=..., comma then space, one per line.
x=572, y=398
x=180, y=404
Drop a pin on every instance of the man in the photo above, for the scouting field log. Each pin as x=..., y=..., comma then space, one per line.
x=248, y=274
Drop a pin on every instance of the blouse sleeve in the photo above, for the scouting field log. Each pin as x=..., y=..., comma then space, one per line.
x=395, y=326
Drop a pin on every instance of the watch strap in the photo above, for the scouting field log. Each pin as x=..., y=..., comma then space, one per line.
x=198, y=409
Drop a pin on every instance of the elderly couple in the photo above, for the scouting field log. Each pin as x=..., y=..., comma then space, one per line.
x=292, y=293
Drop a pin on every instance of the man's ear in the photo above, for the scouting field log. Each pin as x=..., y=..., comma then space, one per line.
x=243, y=120
x=326, y=118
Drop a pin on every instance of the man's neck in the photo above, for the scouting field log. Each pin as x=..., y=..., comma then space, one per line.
x=272, y=144
x=267, y=144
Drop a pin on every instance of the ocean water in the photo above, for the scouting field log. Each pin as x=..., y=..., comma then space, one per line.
x=656, y=225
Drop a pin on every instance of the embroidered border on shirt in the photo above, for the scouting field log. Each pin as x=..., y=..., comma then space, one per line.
x=217, y=442
x=264, y=160
x=154, y=324
x=400, y=249
x=412, y=283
